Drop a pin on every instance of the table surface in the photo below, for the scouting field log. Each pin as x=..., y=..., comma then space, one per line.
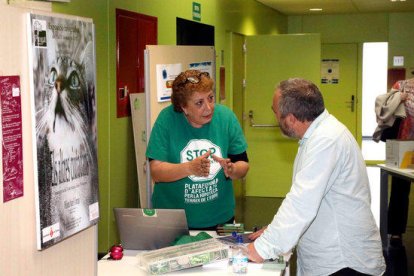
x=128, y=265
x=404, y=172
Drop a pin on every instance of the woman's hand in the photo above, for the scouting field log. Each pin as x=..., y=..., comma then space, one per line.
x=201, y=165
x=226, y=164
x=404, y=96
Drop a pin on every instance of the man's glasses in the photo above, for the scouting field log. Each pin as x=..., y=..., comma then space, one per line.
x=196, y=78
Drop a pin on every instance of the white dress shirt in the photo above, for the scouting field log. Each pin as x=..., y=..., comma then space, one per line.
x=327, y=210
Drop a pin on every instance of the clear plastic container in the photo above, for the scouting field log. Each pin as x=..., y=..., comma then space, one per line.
x=183, y=256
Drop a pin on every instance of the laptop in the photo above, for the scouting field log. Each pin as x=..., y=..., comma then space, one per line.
x=148, y=229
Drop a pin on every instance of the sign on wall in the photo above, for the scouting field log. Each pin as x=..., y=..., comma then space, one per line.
x=330, y=71
x=62, y=59
x=12, y=143
x=196, y=11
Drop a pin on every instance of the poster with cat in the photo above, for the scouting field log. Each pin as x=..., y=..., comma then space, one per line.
x=62, y=62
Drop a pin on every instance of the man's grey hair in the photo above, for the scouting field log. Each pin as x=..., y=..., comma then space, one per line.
x=301, y=98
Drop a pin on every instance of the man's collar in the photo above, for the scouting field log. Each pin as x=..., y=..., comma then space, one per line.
x=313, y=126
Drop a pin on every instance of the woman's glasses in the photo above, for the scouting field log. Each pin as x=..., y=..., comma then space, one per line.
x=195, y=79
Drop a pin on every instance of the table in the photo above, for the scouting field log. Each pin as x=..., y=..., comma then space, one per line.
x=386, y=171
x=128, y=265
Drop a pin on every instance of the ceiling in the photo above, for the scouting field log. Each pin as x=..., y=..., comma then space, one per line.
x=301, y=7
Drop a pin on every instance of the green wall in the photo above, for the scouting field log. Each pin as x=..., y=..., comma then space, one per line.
x=117, y=170
x=117, y=166
x=380, y=27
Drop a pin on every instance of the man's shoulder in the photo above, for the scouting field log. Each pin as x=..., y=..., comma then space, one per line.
x=331, y=127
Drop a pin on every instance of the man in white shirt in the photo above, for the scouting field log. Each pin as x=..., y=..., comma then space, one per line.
x=327, y=210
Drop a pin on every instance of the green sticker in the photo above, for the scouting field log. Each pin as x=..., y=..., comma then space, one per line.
x=137, y=104
x=149, y=212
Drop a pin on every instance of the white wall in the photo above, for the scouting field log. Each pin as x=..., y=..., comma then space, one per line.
x=76, y=255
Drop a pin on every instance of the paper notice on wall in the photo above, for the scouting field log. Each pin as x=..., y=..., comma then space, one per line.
x=205, y=66
x=166, y=74
x=12, y=149
x=330, y=71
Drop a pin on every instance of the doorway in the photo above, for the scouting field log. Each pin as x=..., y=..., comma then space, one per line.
x=341, y=96
x=133, y=32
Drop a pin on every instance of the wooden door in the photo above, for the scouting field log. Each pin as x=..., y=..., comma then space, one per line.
x=133, y=32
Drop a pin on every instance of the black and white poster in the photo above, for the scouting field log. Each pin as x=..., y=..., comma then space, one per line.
x=62, y=60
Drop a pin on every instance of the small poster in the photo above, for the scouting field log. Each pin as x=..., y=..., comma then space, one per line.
x=12, y=149
x=62, y=60
x=330, y=71
x=205, y=66
x=166, y=74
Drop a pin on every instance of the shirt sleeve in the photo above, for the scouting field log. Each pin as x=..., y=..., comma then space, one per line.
x=314, y=167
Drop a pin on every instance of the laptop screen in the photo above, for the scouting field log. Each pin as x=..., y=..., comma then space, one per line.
x=147, y=229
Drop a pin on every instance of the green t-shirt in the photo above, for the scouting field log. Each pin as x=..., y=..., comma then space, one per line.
x=207, y=201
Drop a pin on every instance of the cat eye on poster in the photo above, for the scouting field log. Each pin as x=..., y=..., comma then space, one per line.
x=63, y=89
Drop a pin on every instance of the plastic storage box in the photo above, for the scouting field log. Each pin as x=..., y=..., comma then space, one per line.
x=183, y=256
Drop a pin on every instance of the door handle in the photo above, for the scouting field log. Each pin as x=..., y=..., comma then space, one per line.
x=123, y=92
x=252, y=124
x=351, y=103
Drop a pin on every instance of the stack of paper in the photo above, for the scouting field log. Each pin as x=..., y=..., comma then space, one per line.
x=229, y=228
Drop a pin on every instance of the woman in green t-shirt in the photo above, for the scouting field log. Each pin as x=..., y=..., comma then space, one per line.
x=195, y=150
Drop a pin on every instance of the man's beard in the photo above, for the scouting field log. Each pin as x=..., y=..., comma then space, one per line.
x=286, y=130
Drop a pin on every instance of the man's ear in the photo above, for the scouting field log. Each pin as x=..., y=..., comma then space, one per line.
x=291, y=119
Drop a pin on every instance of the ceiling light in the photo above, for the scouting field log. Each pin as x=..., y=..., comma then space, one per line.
x=315, y=9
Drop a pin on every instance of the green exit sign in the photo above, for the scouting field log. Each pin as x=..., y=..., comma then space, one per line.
x=196, y=11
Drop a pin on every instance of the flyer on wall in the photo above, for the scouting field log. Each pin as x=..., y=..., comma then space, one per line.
x=12, y=140
x=62, y=60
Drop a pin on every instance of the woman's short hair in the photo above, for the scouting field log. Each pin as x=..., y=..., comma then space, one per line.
x=301, y=98
x=186, y=83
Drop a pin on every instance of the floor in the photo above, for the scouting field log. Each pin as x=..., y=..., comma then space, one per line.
x=259, y=211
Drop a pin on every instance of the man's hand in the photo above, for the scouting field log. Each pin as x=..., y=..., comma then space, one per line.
x=253, y=255
x=253, y=236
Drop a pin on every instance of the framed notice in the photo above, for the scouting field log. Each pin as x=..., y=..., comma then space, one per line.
x=62, y=60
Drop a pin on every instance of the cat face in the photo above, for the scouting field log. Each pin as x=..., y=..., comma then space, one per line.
x=67, y=93
x=64, y=120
